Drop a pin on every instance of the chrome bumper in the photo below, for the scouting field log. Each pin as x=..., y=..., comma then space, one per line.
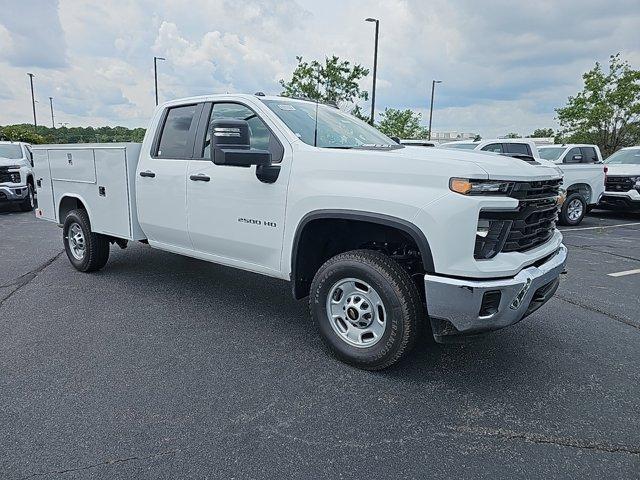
x=462, y=307
x=13, y=194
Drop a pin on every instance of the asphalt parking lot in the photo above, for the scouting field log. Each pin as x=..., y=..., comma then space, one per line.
x=161, y=366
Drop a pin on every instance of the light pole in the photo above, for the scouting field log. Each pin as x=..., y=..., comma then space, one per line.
x=375, y=68
x=433, y=87
x=33, y=103
x=155, y=74
x=53, y=121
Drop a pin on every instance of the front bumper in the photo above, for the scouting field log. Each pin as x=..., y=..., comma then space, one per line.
x=460, y=307
x=620, y=200
x=13, y=194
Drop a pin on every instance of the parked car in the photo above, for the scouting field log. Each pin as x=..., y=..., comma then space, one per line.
x=16, y=175
x=583, y=176
x=375, y=233
x=622, y=189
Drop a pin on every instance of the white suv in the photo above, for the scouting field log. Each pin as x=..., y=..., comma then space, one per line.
x=16, y=175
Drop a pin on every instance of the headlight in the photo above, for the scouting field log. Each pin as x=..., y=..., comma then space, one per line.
x=467, y=186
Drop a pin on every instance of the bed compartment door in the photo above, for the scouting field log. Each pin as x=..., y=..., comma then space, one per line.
x=44, y=186
x=111, y=208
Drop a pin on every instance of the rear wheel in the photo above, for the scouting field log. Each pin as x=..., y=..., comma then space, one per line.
x=87, y=251
x=367, y=308
x=573, y=210
x=29, y=202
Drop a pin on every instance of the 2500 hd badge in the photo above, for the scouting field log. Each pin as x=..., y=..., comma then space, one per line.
x=254, y=221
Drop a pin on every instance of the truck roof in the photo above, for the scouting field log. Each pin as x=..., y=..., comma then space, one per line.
x=566, y=145
x=243, y=96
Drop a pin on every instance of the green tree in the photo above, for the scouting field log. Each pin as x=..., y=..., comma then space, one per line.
x=20, y=133
x=542, y=133
x=512, y=135
x=334, y=81
x=402, y=124
x=607, y=110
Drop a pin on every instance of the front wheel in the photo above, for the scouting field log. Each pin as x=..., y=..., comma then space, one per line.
x=87, y=251
x=573, y=210
x=367, y=308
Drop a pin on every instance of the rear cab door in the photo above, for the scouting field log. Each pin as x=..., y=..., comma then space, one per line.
x=161, y=178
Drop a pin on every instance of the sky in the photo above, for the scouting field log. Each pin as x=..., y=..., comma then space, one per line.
x=505, y=65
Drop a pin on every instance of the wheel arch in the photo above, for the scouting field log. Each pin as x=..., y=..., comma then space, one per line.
x=68, y=202
x=300, y=285
x=584, y=189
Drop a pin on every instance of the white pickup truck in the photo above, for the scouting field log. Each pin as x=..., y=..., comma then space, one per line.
x=622, y=190
x=381, y=237
x=16, y=175
x=580, y=166
x=583, y=177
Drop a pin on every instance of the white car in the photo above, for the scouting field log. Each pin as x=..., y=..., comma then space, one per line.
x=623, y=180
x=375, y=233
x=580, y=165
x=16, y=175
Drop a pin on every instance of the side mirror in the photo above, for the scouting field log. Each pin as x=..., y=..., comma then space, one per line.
x=230, y=145
x=576, y=159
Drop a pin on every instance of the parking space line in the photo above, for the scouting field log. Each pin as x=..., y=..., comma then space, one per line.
x=603, y=226
x=626, y=272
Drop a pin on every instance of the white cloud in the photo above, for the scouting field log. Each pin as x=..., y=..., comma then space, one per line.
x=504, y=68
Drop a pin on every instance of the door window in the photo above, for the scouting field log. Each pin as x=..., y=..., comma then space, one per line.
x=568, y=158
x=176, y=140
x=518, y=148
x=493, y=147
x=589, y=155
x=260, y=136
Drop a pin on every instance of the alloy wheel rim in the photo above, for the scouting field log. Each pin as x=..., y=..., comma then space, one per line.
x=356, y=312
x=76, y=241
x=574, y=210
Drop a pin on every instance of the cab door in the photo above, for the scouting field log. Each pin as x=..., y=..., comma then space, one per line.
x=233, y=216
x=161, y=178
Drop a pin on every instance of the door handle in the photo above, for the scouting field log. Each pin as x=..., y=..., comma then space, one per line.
x=147, y=173
x=200, y=178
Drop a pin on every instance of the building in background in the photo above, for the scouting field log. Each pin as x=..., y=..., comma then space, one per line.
x=452, y=136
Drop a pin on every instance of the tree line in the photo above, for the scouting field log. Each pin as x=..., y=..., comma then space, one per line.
x=606, y=112
x=25, y=132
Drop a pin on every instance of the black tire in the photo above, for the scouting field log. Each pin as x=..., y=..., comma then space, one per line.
x=29, y=203
x=403, y=310
x=567, y=216
x=96, y=246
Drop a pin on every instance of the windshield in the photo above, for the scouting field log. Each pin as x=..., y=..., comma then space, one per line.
x=335, y=128
x=631, y=157
x=551, y=153
x=14, y=152
x=464, y=146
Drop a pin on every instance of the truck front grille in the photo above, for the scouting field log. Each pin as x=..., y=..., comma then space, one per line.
x=527, y=227
x=534, y=229
x=9, y=177
x=618, y=184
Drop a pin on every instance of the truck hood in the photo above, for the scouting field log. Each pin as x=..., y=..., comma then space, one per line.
x=8, y=162
x=623, y=169
x=497, y=167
